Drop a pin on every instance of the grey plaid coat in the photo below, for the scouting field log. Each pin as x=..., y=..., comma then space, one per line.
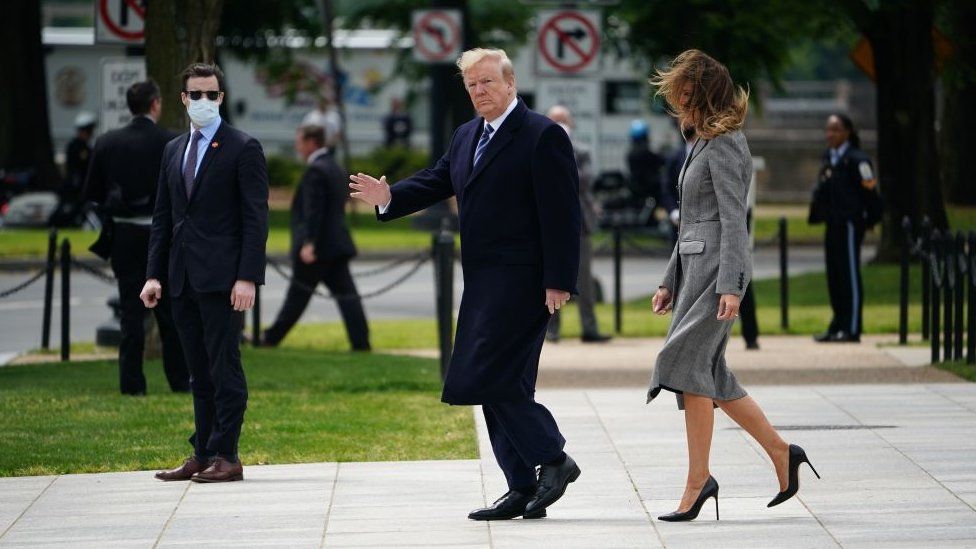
x=712, y=258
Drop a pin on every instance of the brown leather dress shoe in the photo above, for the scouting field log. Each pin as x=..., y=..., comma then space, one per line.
x=189, y=468
x=220, y=470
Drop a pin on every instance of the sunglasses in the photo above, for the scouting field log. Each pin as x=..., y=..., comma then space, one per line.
x=196, y=95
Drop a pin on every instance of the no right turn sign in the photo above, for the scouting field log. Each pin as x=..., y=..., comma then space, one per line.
x=568, y=42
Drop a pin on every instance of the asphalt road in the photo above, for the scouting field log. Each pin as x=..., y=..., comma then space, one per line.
x=21, y=314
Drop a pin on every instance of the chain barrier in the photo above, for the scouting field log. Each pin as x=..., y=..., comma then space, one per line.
x=390, y=266
x=281, y=270
x=95, y=272
x=23, y=285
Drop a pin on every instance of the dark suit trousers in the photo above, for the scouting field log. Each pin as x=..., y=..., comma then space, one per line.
x=523, y=435
x=337, y=278
x=130, y=247
x=210, y=330
x=842, y=246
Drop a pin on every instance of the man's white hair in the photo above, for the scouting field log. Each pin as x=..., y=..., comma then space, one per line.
x=469, y=58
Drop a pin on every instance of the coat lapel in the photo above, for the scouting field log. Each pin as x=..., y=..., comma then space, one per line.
x=502, y=137
x=212, y=149
x=176, y=170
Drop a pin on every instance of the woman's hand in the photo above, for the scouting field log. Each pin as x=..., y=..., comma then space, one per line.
x=661, y=302
x=728, y=307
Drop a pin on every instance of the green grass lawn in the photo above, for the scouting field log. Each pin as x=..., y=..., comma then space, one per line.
x=305, y=405
x=960, y=368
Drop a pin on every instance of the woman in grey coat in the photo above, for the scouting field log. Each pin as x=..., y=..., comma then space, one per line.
x=708, y=272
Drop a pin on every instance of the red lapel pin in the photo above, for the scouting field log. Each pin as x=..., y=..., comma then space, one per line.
x=214, y=145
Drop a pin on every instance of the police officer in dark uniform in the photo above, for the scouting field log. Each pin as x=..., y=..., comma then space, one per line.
x=847, y=201
x=77, y=158
x=122, y=180
x=644, y=164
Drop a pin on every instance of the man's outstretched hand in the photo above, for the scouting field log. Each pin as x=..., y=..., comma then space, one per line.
x=370, y=190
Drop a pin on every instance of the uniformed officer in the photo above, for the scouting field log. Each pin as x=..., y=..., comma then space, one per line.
x=122, y=180
x=77, y=156
x=847, y=201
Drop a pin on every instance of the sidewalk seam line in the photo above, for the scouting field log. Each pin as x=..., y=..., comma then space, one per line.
x=904, y=455
x=630, y=477
x=172, y=514
x=29, y=505
x=328, y=509
x=952, y=400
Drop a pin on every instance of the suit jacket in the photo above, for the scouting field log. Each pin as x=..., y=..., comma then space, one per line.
x=217, y=235
x=124, y=168
x=519, y=217
x=713, y=189
x=318, y=212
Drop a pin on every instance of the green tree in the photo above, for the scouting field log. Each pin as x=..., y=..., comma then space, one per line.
x=957, y=19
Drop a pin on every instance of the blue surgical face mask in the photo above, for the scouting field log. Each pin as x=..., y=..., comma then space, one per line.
x=203, y=112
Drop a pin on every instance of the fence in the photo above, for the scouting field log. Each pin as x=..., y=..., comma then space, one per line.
x=621, y=236
x=947, y=287
x=441, y=252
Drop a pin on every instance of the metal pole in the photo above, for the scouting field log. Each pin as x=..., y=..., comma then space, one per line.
x=948, y=286
x=443, y=254
x=925, y=248
x=52, y=250
x=256, y=317
x=618, y=322
x=958, y=253
x=971, y=309
x=906, y=224
x=934, y=257
x=784, y=279
x=65, y=300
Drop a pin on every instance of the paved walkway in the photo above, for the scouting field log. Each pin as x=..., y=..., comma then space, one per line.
x=897, y=461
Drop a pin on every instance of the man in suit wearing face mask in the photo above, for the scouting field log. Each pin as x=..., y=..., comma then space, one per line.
x=207, y=243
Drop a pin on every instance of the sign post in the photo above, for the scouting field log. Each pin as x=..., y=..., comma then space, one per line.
x=117, y=75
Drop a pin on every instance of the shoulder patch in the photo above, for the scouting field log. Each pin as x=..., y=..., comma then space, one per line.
x=865, y=169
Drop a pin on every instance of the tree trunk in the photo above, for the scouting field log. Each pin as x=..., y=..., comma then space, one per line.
x=179, y=33
x=956, y=137
x=165, y=61
x=25, y=129
x=901, y=37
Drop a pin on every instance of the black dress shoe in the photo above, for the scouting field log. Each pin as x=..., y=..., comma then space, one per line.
x=596, y=338
x=509, y=506
x=553, y=480
x=752, y=345
x=837, y=337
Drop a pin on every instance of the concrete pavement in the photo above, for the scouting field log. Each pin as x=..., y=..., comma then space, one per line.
x=897, y=462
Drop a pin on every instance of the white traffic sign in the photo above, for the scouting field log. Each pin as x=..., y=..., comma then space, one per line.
x=117, y=75
x=582, y=98
x=120, y=21
x=568, y=42
x=437, y=35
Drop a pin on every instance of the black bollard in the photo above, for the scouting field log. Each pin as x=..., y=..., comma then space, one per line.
x=925, y=247
x=948, y=286
x=971, y=308
x=442, y=249
x=959, y=253
x=52, y=250
x=935, y=249
x=65, y=300
x=618, y=323
x=906, y=224
x=256, y=317
x=784, y=277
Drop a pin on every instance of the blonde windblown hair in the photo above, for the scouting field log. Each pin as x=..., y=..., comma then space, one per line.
x=716, y=105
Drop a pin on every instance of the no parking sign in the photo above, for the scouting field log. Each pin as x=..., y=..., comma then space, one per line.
x=568, y=42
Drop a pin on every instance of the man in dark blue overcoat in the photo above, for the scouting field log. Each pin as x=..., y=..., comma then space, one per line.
x=514, y=175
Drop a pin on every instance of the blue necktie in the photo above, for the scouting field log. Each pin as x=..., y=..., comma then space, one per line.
x=190, y=168
x=482, y=143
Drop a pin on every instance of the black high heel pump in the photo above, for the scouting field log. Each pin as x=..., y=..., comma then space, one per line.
x=710, y=490
x=797, y=457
